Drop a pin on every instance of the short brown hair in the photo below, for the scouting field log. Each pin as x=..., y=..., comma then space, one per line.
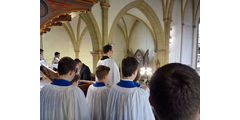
x=65, y=65
x=129, y=66
x=102, y=71
x=175, y=92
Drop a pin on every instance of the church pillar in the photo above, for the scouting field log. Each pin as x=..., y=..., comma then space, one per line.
x=181, y=39
x=105, y=5
x=160, y=57
x=167, y=22
x=41, y=41
x=76, y=54
x=194, y=47
x=96, y=56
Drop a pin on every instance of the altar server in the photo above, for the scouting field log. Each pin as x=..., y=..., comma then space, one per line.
x=97, y=94
x=42, y=60
x=126, y=101
x=55, y=61
x=62, y=101
x=114, y=75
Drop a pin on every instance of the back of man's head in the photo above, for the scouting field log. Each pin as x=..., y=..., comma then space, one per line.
x=129, y=66
x=65, y=65
x=175, y=92
x=107, y=48
x=56, y=53
x=102, y=71
x=77, y=60
x=41, y=50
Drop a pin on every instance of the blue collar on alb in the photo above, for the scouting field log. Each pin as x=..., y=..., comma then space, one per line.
x=126, y=84
x=61, y=82
x=99, y=84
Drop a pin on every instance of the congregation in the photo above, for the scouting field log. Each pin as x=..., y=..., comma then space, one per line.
x=173, y=93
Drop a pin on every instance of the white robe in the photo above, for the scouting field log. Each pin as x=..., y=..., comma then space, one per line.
x=55, y=63
x=63, y=103
x=43, y=62
x=113, y=75
x=97, y=101
x=128, y=104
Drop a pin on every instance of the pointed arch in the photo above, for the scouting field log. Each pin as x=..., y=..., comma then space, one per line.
x=93, y=29
x=160, y=43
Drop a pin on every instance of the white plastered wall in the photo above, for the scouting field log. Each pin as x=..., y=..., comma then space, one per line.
x=116, y=6
x=141, y=38
x=156, y=5
x=129, y=20
x=139, y=14
x=57, y=40
x=85, y=49
x=119, y=47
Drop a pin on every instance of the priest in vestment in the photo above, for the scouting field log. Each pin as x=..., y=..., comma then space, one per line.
x=126, y=101
x=114, y=75
x=62, y=101
x=97, y=94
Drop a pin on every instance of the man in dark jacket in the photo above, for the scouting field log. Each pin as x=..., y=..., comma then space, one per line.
x=83, y=70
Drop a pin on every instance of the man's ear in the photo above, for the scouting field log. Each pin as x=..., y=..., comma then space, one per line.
x=106, y=76
x=71, y=72
x=136, y=71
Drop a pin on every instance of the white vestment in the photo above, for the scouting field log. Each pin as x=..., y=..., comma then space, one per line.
x=54, y=66
x=55, y=63
x=97, y=101
x=63, y=103
x=128, y=104
x=113, y=75
x=43, y=61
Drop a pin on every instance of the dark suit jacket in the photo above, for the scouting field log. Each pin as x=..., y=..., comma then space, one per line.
x=85, y=73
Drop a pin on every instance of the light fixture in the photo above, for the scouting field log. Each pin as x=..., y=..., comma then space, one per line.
x=149, y=71
x=142, y=70
x=146, y=71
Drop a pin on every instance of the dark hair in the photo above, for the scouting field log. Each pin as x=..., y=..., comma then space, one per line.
x=56, y=53
x=175, y=92
x=129, y=66
x=107, y=48
x=77, y=60
x=102, y=71
x=65, y=65
x=41, y=50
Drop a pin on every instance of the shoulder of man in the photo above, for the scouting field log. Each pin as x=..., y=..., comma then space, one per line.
x=77, y=90
x=141, y=92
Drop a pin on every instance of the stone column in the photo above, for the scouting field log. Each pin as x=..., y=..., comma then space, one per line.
x=76, y=54
x=96, y=56
x=167, y=22
x=160, y=55
x=41, y=41
x=105, y=5
x=181, y=42
x=194, y=47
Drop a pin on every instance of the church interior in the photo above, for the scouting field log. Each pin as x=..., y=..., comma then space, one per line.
x=155, y=32
x=167, y=29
